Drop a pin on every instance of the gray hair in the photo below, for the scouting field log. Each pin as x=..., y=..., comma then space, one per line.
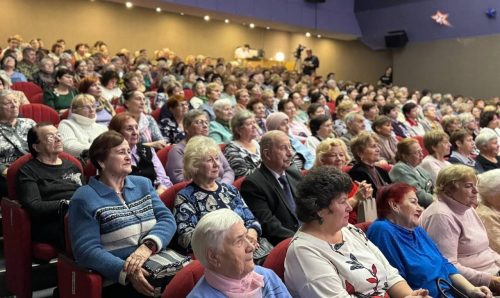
x=428, y=106
x=4, y=93
x=196, y=149
x=351, y=116
x=488, y=184
x=211, y=231
x=267, y=140
x=220, y=104
x=238, y=120
x=484, y=137
x=190, y=116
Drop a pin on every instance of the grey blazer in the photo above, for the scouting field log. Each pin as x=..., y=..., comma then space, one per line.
x=417, y=177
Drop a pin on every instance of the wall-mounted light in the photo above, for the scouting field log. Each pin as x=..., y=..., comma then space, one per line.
x=129, y=4
x=308, y=34
x=182, y=13
x=252, y=25
x=280, y=57
x=319, y=35
x=206, y=18
x=226, y=21
x=158, y=9
x=267, y=28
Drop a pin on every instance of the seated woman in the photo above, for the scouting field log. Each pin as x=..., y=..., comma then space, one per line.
x=453, y=224
x=297, y=129
x=9, y=65
x=213, y=92
x=45, y=77
x=109, y=82
x=117, y=221
x=257, y=107
x=451, y=123
x=60, y=97
x=487, y=143
x=219, y=129
x=243, y=152
x=6, y=84
x=382, y=126
x=80, y=129
x=205, y=194
x=438, y=144
x=410, y=111
x=409, y=155
x=104, y=110
x=149, y=132
x=220, y=243
x=366, y=151
x=195, y=124
x=462, y=144
x=330, y=258
x=13, y=133
x=407, y=246
x=145, y=162
x=44, y=182
x=200, y=94
x=171, y=116
x=302, y=157
x=333, y=152
x=488, y=210
x=321, y=129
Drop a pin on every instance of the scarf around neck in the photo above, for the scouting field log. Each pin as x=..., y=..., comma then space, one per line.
x=249, y=286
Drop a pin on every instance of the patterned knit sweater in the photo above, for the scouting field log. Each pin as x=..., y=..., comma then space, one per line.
x=104, y=231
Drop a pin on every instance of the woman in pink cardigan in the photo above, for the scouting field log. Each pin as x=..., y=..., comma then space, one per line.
x=454, y=225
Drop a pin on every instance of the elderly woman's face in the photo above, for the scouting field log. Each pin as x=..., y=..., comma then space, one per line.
x=118, y=162
x=259, y=110
x=407, y=212
x=9, y=107
x=415, y=155
x=335, y=157
x=208, y=167
x=48, y=67
x=130, y=131
x=493, y=123
x=443, y=147
x=430, y=113
x=136, y=103
x=467, y=145
x=214, y=94
x=236, y=258
x=319, y=111
x=200, y=89
x=464, y=192
x=284, y=126
x=371, y=153
x=181, y=109
x=385, y=129
x=248, y=130
x=9, y=62
x=491, y=148
x=66, y=80
x=86, y=109
x=289, y=110
x=199, y=127
x=95, y=89
x=336, y=215
x=244, y=98
x=224, y=114
x=50, y=141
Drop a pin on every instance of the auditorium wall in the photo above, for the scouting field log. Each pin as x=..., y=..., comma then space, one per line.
x=136, y=28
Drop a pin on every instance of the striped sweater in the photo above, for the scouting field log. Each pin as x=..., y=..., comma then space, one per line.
x=104, y=231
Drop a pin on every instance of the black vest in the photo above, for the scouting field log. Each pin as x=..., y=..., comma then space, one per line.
x=144, y=166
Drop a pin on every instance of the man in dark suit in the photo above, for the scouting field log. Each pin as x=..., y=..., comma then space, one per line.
x=270, y=190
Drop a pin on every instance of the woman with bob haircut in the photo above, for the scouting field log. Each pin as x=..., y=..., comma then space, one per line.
x=437, y=142
x=462, y=143
x=330, y=258
x=117, y=221
x=487, y=143
x=221, y=244
x=455, y=227
x=321, y=129
x=333, y=152
x=488, y=210
x=407, y=246
x=104, y=110
x=243, y=152
x=409, y=156
x=366, y=151
x=205, y=194
x=219, y=129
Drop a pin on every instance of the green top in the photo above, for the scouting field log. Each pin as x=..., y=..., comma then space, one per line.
x=57, y=101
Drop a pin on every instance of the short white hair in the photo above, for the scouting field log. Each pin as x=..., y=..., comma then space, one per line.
x=484, y=137
x=488, y=184
x=221, y=103
x=211, y=231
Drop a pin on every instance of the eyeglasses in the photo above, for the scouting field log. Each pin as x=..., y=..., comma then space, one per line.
x=200, y=122
x=88, y=108
x=51, y=138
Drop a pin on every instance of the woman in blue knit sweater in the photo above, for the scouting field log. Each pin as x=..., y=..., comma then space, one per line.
x=117, y=221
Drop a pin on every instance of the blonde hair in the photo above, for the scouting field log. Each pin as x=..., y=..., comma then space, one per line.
x=360, y=142
x=82, y=99
x=196, y=149
x=450, y=175
x=432, y=139
x=324, y=148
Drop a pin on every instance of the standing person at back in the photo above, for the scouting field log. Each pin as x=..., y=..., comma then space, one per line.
x=270, y=190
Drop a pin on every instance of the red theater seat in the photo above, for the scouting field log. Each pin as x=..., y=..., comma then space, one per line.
x=40, y=113
x=184, y=281
x=29, y=89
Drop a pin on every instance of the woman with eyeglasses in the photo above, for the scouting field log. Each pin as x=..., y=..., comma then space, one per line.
x=45, y=182
x=104, y=110
x=80, y=129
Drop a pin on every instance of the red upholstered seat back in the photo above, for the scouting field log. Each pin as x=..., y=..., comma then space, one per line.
x=40, y=113
x=184, y=281
x=168, y=196
x=29, y=89
x=276, y=259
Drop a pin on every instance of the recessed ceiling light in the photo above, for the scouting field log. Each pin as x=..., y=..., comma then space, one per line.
x=129, y=4
x=226, y=21
x=158, y=9
x=308, y=34
x=206, y=18
x=252, y=25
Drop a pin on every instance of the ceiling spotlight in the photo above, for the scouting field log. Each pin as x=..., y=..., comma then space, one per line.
x=129, y=4
x=182, y=13
x=267, y=28
x=319, y=35
x=206, y=18
x=226, y=21
x=158, y=9
x=252, y=25
x=308, y=34
x=280, y=56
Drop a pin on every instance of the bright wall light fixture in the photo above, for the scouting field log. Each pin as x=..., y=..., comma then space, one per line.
x=267, y=28
x=308, y=34
x=206, y=18
x=319, y=35
x=226, y=21
x=182, y=13
x=252, y=25
x=280, y=57
x=129, y=4
x=158, y=9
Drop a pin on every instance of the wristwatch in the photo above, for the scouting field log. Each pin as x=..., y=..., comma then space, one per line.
x=150, y=244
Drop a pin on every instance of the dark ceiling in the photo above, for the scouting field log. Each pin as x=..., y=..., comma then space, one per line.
x=362, y=5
